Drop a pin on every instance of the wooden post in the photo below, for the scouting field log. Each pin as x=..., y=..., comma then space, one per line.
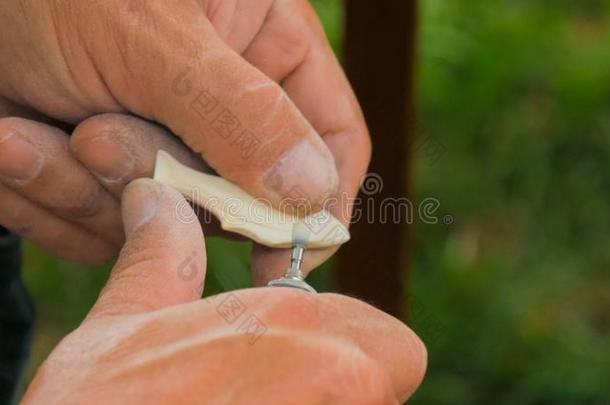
x=379, y=56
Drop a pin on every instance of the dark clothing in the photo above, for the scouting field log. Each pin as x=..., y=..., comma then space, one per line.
x=16, y=317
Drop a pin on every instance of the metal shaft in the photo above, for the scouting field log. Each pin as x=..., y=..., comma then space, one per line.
x=294, y=276
x=296, y=262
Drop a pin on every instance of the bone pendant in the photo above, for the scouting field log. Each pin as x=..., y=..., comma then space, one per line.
x=241, y=213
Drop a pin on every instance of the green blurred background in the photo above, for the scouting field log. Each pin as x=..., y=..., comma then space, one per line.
x=513, y=299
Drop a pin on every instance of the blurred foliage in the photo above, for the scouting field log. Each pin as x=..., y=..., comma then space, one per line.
x=512, y=298
x=519, y=94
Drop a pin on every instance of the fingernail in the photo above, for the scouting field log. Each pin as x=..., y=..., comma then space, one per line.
x=19, y=158
x=140, y=204
x=304, y=172
x=107, y=157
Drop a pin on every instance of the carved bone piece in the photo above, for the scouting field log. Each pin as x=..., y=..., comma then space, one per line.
x=241, y=213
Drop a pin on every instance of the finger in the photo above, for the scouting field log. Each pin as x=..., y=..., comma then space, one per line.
x=313, y=79
x=119, y=148
x=242, y=122
x=54, y=234
x=163, y=262
x=10, y=109
x=36, y=164
x=382, y=337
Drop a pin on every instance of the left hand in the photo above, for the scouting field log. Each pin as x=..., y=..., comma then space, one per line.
x=150, y=340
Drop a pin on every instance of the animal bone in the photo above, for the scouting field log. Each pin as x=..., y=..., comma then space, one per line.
x=241, y=213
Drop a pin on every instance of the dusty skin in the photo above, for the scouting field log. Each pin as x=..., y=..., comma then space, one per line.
x=251, y=85
x=248, y=89
x=150, y=339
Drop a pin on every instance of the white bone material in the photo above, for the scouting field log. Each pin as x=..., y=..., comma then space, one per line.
x=241, y=213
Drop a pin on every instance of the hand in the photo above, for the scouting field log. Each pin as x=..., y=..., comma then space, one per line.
x=68, y=206
x=63, y=192
x=148, y=339
x=252, y=86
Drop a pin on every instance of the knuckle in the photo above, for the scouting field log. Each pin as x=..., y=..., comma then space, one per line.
x=132, y=44
x=272, y=99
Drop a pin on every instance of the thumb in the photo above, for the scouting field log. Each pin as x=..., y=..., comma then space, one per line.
x=163, y=262
x=242, y=123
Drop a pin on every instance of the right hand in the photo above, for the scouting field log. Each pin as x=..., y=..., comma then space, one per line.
x=252, y=86
x=149, y=339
